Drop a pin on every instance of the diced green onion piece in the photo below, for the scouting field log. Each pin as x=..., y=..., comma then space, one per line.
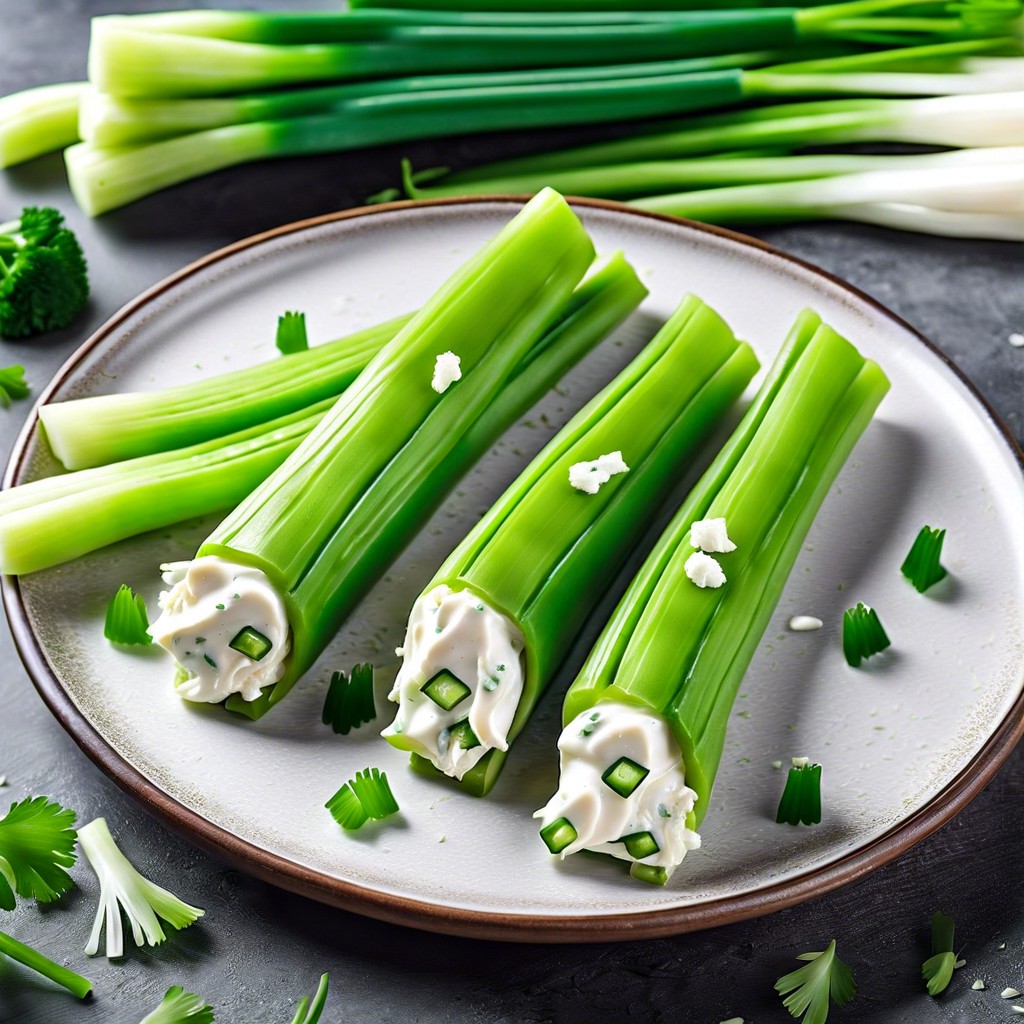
x=346, y=809
x=127, y=619
x=446, y=691
x=349, y=702
x=648, y=873
x=366, y=796
x=624, y=776
x=801, y=799
x=923, y=566
x=863, y=635
x=74, y=983
x=291, y=333
x=12, y=385
x=640, y=845
x=463, y=734
x=558, y=835
x=251, y=643
x=180, y=1007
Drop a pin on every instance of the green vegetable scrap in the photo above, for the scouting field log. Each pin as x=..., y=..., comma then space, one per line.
x=811, y=987
x=122, y=888
x=43, y=278
x=923, y=566
x=180, y=1007
x=127, y=619
x=291, y=333
x=863, y=635
x=12, y=385
x=74, y=983
x=307, y=1011
x=366, y=796
x=37, y=843
x=349, y=702
x=937, y=970
x=801, y=799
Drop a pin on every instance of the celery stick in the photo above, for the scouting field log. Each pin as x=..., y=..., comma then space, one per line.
x=38, y=121
x=545, y=553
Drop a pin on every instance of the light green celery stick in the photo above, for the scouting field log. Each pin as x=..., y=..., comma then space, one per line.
x=545, y=552
x=38, y=121
x=94, y=431
x=681, y=651
x=112, y=502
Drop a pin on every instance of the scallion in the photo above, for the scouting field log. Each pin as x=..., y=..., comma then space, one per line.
x=36, y=961
x=368, y=795
x=349, y=701
x=801, y=799
x=291, y=333
x=863, y=634
x=127, y=619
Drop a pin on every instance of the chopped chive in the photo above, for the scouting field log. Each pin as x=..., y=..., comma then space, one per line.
x=366, y=796
x=349, y=702
x=922, y=565
x=199, y=639
x=209, y=661
x=464, y=735
x=648, y=873
x=127, y=619
x=624, y=776
x=663, y=811
x=219, y=607
x=640, y=845
x=291, y=333
x=863, y=635
x=558, y=835
x=346, y=809
x=801, y=799
x=445, y=690
x=251, y=643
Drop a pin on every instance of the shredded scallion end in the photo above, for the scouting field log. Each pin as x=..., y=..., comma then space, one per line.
x=308, y=1011
x=12, y=385
x=937, y=970
x=801, y=799
x=922, y=566
x=811, y=987
x=127, y=619
x=37, y=843
x=180, y=1007
x=863, y=635
x=366, y=796
x=349, y=702
x=291, y=333
x=74, y=983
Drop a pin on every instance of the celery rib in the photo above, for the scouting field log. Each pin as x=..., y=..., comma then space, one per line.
x=38, y=121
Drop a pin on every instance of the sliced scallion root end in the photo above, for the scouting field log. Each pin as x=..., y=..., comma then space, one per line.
x=863, y=634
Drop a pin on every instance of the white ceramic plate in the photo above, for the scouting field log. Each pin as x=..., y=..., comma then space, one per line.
x=904, y=742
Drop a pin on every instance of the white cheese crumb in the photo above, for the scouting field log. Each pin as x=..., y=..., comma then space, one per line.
x=1002, y=945
x=704, y=570
x=1009, y=993
x=710, y=535
x=957, y=964
x=733, y=1020
x=804, y=623
x=447, y=370
x=399, y=652
x=1017, y=1009
x=978, y=985
x=776, y=764
x=589, y=476
x=801, y=762
x=3, y=780
x=1016, y=340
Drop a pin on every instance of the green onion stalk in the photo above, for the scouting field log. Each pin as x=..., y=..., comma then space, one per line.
x=558, y=5
x=161, y=61
x=491, y=629
x=646, y=718
x=111, y=502
x=38, y=121
x=296, y=556
x=74, y=983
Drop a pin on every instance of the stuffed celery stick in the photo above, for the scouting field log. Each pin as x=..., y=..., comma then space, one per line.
x=109, y=503
x=270, y=586
x=490, y=630
x=645, y=720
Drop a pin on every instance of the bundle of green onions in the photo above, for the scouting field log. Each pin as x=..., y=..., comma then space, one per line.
x=139, y=480
x=645, y=720
x=177, y=95
x=490, y=630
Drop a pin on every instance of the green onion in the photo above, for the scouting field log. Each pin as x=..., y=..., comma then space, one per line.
x=624, y=776
x=366, y=796
x=809, y=989
x=680, y=651
x=349, y=702
x=38, y=121
x=937, y=970
x=557, y=5
x=801, y=799
x=923, y=566
x=127, y=619
x=291, y=333
x=74, y=983
x=37, y=844
x=863, y=635
x=558, y=835
x=251, y=643
x=180, y=1007
x=446, y=691
x=640, y=845
x=12, y=385
x=307, y=1011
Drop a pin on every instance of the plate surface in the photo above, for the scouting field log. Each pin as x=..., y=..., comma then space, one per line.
x=905, y=742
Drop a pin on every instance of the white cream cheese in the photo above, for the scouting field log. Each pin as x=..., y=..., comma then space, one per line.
x=456, y=631
x=704, y=570
x=447, y=370
x=589, y=745
x=804, y=623
x=711, y=535
x=210, y=601
x=590, y=476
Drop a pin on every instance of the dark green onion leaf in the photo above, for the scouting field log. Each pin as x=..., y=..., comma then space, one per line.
x=349, y=702
x=922, y=565
x=937, y=970
x=346, y=809
x=291, y=333
x=12, y=384
x=308, y=1012
x=863, y=635
x=127, y=619
x=801, y=799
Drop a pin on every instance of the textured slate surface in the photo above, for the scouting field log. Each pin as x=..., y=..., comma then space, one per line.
x=258, y=949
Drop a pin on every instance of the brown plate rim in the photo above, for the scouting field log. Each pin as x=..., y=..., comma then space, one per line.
x=285, y=874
